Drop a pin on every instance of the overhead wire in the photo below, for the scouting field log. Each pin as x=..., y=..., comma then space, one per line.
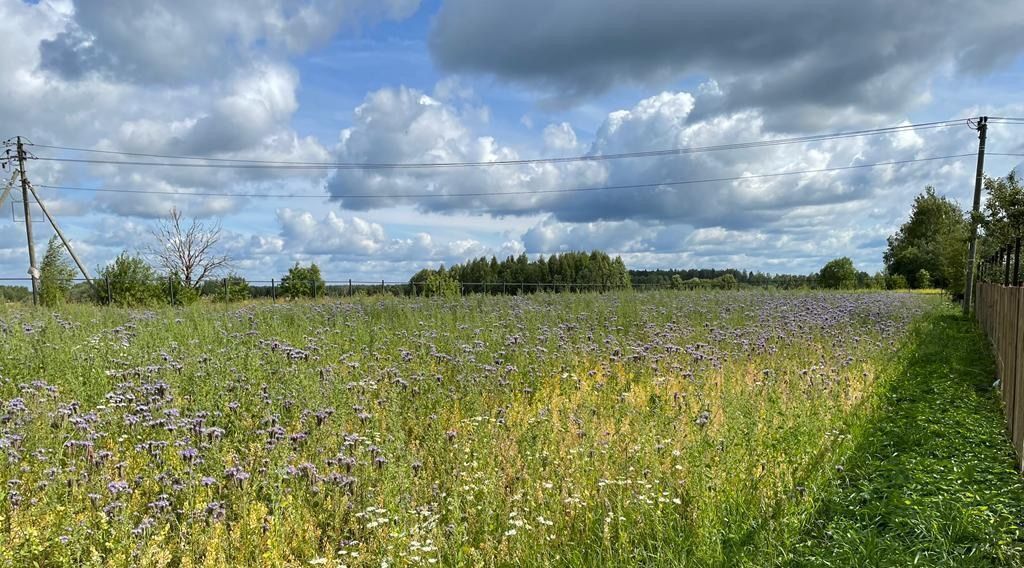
x=241, y=163
x=507, y=193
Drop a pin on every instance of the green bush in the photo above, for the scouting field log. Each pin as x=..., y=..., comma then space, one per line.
x=302, y=282
x=441, y=284
x=130, y=282
x=725, y=282
x=896, y=282
x=232, y=288
x=15, y=294
x=922, y=279
x=175, y=292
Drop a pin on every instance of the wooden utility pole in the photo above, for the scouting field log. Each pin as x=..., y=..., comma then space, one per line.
x=28, y=193
x=33, y=271
x=982, y=127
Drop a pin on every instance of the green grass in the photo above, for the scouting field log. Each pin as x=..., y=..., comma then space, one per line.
x=931, y=480
x=653, y=429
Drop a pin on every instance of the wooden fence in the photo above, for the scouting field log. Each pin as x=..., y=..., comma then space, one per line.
x=999, y=310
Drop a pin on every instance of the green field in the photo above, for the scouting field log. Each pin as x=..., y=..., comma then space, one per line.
x=660, y=429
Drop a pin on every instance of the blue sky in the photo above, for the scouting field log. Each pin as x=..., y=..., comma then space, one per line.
x=475, y=80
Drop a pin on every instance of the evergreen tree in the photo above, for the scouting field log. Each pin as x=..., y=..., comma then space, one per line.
x=567, y=271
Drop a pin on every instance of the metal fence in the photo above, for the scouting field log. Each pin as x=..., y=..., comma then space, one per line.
x=170, y=290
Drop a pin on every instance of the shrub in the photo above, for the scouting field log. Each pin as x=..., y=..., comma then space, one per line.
x=922, y=279
x=441, y=283
x=896, y=282
x=232, y=288
x=131, y=282
x=726, y=282
x=302, y=282
x=176, y=292
x=15, y=294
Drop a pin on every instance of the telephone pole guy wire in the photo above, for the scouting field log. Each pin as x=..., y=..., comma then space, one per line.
x=26, y=191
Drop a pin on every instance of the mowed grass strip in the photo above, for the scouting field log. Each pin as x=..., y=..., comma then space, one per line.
x=932, y=480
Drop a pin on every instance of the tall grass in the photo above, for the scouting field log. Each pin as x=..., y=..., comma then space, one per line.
x=623, y=429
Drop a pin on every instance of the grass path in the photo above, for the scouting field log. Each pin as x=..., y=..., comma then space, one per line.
x=931, y=481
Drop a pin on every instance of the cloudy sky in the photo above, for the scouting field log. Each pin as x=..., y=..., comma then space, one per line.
x=408, y=81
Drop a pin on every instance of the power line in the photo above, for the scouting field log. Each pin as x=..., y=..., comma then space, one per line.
x=272, y=164
x=523, y=192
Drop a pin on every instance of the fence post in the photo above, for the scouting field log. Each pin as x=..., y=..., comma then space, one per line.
x=110, y=297
x=503, y=288
x=381, y=287
x=170, y=288
x=350, y=287
x=227, y=296
x=314, y=289
x=273, y=291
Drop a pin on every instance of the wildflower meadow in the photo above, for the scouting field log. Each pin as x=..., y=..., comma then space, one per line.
x=552, y=429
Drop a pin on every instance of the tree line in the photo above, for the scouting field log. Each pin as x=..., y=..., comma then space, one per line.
x=574, y=271
x=716, y=278
x=928, y=250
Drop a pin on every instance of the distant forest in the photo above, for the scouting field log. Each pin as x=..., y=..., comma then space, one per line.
x=690, y=276
x=567, y=270
x=589, y=270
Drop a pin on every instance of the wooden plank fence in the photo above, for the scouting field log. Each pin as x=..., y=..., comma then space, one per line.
x=999, y=309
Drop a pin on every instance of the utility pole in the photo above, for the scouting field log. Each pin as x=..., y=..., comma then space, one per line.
x=982, y=126
x=33, y=271
x=26, y=191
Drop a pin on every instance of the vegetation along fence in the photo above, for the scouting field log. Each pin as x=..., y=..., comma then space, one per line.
x=168, y=290
x=999, y=306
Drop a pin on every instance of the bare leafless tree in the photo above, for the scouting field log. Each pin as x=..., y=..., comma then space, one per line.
x=187, y=251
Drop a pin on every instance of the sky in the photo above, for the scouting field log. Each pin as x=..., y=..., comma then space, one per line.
x=442, y=81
